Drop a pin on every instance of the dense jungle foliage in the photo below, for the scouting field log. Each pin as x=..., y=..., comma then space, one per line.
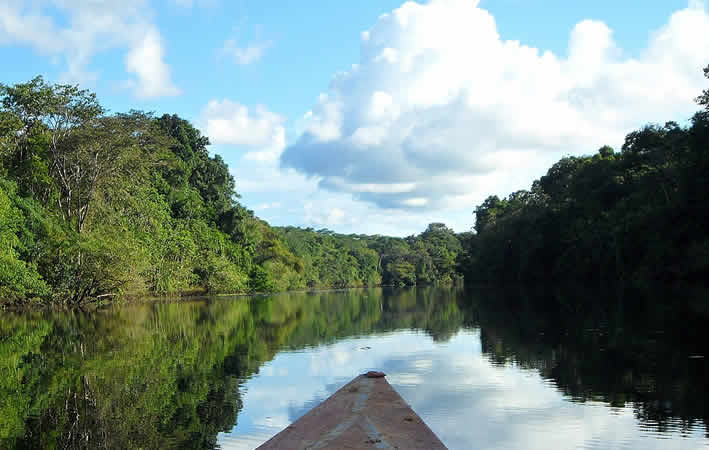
x=639, y=213
x=95, y=205
x=332, y=259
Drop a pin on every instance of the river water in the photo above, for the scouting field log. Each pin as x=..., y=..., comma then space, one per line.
x=485, y=368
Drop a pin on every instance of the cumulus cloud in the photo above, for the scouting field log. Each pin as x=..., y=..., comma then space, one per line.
x=259, y=130
x=248, y=54
x=146, y=61
x=441, y=110
x=323, y=215
x=30, y=28
x=262, y=184
x=75, y=30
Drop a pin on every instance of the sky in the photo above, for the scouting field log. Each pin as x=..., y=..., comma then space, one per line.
x=376, y=116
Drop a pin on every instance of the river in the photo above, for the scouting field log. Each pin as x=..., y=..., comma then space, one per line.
x=564, y=367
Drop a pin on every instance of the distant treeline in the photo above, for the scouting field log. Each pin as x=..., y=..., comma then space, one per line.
x=639, y=213
x=96, y=205
x=332, y=259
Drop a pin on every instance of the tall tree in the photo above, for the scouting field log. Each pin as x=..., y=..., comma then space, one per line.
x=106, y=151
x=42, y=118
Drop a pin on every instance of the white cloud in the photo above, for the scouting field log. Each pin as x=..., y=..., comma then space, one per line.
x=251, y=53
x=30, y=28
x=442, y=110
x=270, y=205
x=416, y=201
x=146, y=61
x=300, y=202
x=74, y=31
x=258, y=130
x=322, y=215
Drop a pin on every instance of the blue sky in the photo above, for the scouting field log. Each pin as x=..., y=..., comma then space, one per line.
x=442, y=109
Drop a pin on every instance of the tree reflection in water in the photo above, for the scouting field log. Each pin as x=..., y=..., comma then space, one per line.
x=169, y=374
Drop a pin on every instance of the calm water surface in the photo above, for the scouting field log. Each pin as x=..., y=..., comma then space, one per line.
x=485, y=368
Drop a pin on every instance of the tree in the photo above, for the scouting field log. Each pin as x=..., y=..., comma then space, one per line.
x=18, y=279
x=41, y=118
x=195, y=169
x=105, y=204
x=107, y=151
x=487, y=213
x=606, y=151
x=402, y=273
x=703, y=99
x=641, y=213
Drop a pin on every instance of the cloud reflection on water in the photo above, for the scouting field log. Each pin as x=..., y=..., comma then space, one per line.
x=460, y=394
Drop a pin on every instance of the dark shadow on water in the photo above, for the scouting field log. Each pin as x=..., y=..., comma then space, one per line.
x=643, y=345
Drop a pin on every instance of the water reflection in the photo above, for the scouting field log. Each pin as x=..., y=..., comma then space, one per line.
x=485, y=368
x=639, y=346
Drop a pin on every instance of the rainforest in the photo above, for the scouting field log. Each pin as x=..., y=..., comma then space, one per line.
x=98, y=206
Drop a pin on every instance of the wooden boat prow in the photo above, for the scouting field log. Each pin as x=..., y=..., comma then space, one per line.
x=366, y=413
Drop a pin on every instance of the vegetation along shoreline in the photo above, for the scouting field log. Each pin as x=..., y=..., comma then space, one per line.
x=98, y=206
